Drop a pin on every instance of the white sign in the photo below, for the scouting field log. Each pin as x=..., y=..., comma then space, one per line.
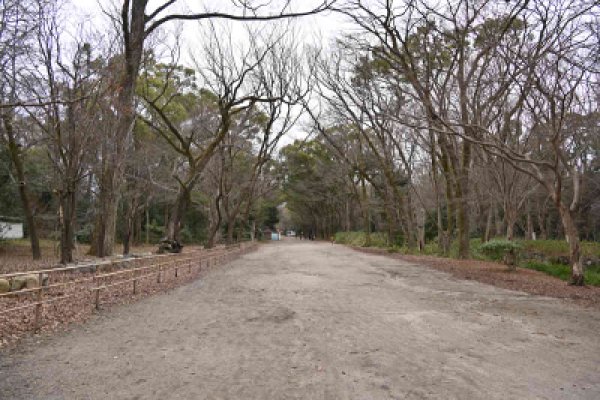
x=11, y=230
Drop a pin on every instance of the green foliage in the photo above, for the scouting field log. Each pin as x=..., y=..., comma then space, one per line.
x=9, y=196
x=156, y=229
x=314, y=185
x=488, y=31
x=38, y=174
x=592, y=275
x=556, y=248
x=186, y=236
x=269, y=215
x=497, y=249
x=173, y=90
x=84, y=235
x=360, y=239
x=195, y=228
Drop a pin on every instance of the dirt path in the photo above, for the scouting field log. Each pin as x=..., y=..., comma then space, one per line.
x=300, y=320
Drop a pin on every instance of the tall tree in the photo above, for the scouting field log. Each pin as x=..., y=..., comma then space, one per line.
x=137, y=23
x=18, y=26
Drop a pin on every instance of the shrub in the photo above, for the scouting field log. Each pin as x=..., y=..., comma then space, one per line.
x=84, y=235
x=186, y=236
x=501, y=250
x=359, y=239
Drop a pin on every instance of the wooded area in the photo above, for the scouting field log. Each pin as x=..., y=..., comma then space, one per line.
x=429, y=122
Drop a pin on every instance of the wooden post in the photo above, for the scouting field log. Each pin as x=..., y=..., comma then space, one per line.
x=38, y=306
x=97, y=298
x=176, y=269
x=96, y=288
x=158, y=276
x=135, y=282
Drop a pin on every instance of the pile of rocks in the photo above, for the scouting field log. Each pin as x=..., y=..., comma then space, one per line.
x=21, y=282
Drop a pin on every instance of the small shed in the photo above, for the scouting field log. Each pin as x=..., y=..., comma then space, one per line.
x=271, y=234
x=11, y=228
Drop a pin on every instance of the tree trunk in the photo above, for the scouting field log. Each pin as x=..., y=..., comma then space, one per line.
x=510, y=217
x=448, y=234
x=390, y=220
x=510, y=230
x=488, y=224
x=212, y=233
x=443, y=236
x=115, y=151
x=411, y=230
x=347, y=216
x=366, y=213
x=147, y=223
x=15, y=156
x=214, y=223
x=130, y=212
x=529, y=234
x=498, y=223
x=177, y=212
x=421, y=219
x=136, y=237
x=462, y=197
x=68, y=202
x=230, y=229
x=462, y=224
x=541, y=220
x=572, y=236
x=106, y=215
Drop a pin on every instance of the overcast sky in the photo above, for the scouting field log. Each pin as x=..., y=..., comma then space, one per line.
x=319, y=29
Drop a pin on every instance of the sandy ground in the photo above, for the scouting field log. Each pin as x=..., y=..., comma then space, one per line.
x=301, y=320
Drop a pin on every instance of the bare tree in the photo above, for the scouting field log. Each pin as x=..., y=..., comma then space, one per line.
x=18, y=25
x=76, y=105
x=549, y=72
x=235, y=88
x=137, y=23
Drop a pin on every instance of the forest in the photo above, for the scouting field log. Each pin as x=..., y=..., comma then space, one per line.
x=419, y=123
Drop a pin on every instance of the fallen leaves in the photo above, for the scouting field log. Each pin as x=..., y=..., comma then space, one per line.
x=79, y=302
x=524, y=280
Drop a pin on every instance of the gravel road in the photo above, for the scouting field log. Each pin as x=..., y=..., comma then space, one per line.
x=304, y=320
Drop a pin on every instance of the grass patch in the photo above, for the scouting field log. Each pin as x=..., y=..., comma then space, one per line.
x=592, y=274
x=359, y=239
x=555, y=248
x=550, y=248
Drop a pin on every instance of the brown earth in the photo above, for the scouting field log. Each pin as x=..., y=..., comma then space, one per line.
x=305, y=320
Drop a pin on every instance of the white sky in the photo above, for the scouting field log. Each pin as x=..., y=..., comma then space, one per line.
x=318, y=29
x=323, y=26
